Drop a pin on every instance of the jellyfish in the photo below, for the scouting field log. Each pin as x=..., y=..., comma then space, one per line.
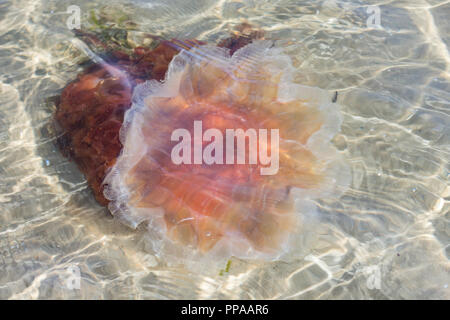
x=218, y=158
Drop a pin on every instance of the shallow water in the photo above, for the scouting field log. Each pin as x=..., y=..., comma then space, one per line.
x=387, y=237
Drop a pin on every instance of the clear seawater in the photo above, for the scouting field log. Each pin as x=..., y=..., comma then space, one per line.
x=387, y=237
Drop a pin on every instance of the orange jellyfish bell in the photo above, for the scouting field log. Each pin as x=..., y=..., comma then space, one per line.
x=216, y=158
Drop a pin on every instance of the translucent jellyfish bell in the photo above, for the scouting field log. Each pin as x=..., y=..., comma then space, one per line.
x=198, y=208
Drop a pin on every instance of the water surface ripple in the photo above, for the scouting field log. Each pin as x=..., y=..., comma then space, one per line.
x=387, y=237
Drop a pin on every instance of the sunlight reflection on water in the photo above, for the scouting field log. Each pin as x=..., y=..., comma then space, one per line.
x=386, y=237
